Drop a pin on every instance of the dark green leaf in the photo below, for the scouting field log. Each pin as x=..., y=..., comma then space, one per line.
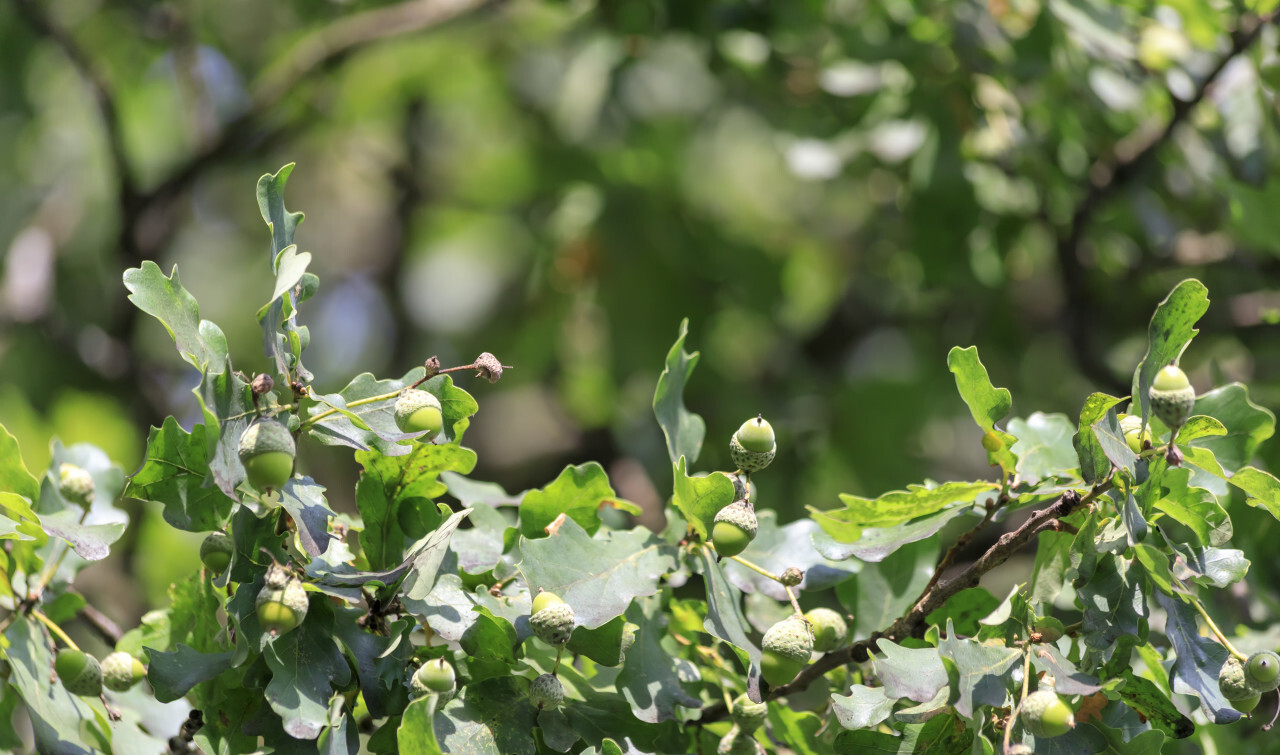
x=490, y=643
x=653, y=676
x=1246, y=423
x=884, y=591
x=1114, y=604
x=914, y=673
x=598, y=576
x=1144, y=696
x=724, y=620
x=173, y=674
x=1094, y=464
x=602, y=644
x=391, y=482
x=200, y=342
x=61, y=721
x=492, y=717
x=306, y=667
x=1199, y=659
x=683, y=429
x=173, y=475
x=797, y=730
x=981, y=671
x=966, y=608
x=1169, y=333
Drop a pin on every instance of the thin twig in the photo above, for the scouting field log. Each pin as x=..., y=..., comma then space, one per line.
x=105, y=627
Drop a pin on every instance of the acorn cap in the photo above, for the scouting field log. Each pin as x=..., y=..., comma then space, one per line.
x=553, y=624
x=740, y=514
x=790, y=638
x=1172, y=397
x=75, y=484
x=738, y=742
x=546, y=692
x=749, y=461
x=1043, y=714
x=434, y=676
x=292, y=596
x=829, y=629
x=266, y=436
x=748, y=715
x=411, y=401
x=120, y=671
x=1262, y=671
x=1232, y=681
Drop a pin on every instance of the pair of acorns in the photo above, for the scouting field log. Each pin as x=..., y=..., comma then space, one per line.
x=1243, y=683
x=82, y=674
x=752, y=448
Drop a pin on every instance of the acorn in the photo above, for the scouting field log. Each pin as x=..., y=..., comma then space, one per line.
x=216, y=550
x=75, y=484
x=734, y=528
x=1246, y=704
x=1262, y=671
x=1131, y=426
x=739, y=742
x=829, y=629
x=747, y=715
x=1172, y=397
x=1233, y=682
x=79, y=672
x=546, y=692
x=120, y=671
x=418, y=411
x=1045, y=715
x=551, y=619
x=434, y=677
x=282, y=602
x=267, y=450
x=752, y=447
x=787, y=647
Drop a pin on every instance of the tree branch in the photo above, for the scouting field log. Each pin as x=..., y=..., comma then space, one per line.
x=912, y=624
x=1108, y=175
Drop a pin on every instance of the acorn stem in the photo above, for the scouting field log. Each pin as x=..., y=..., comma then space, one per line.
x=1217, y=632
x=1026, y=684
x=57, y=630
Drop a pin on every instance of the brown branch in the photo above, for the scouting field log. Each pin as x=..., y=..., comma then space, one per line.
x=1108, y=175
x=105, y=627
x=912, y=624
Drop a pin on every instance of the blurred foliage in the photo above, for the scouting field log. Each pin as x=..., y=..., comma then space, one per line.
x=834, y=193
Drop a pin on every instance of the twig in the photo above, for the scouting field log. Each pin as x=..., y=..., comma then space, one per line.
x=962, y=542
x=57, y=630
x=108, y=629
x=912, y=624
x=1109, y=175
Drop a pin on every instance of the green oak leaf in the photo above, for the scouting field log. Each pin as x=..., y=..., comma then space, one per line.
x=1216, y=567
x=884, y=591
x=798, y=730
x=863, y=708
x=14, y=477
x=200, y=342
x=304, y=499
x=1147, y=698
x=172, y=674
x=389, y=483
x=598, y=576
x=653, y=673
x=578, y=493
x=372, y=424
x=1169, y=333
x=1115, y=448
x=725, y=621
x=1262, y=488
x=1044, y=447
x=987, y=403
x=913, y=673
x=1199, y=659
x=60, y=720
x=491, y=645
x=1246, y=424
x=492, y=717
x=699, y=499
x=173, y=475
x=1094, y=464
x=306, y=667
x=981, y=671
x=1048, y=574
x=428, y=555
x=878, y=543
x=684, y=430
x=1196, y=508
x=967, y=607
x=900, y=506
x=1068, y=680
x=378, y=659
x=226, y=404
x=602, y=644
x=416, y=732
x=1114, y=604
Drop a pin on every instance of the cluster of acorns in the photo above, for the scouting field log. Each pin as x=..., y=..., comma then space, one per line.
x=82, y=674
x=1243, y=683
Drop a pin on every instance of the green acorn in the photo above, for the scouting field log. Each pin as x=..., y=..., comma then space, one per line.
x=734, y=528
x=546, y=692
x=551, y=619
x=120, y=671
x=787, y=647
x=417, y=411
x=434, y=677
x=75, y=484
x=1233, y=682
x=739, y=742
x=1247, y=704
x=216, y=550
x=829, y=629
x=1131, y=426
x=282, y=602
x=1262, y=671
x=1172, y=397
x=753, y=446
x=79, y=672
x=1045, y=715
x=747, y=715
x=267, y=450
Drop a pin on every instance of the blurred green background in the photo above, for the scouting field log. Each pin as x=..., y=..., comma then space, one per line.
x=834, y=193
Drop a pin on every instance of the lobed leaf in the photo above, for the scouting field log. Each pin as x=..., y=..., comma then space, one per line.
x=1168, y=335
x=684, y=430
